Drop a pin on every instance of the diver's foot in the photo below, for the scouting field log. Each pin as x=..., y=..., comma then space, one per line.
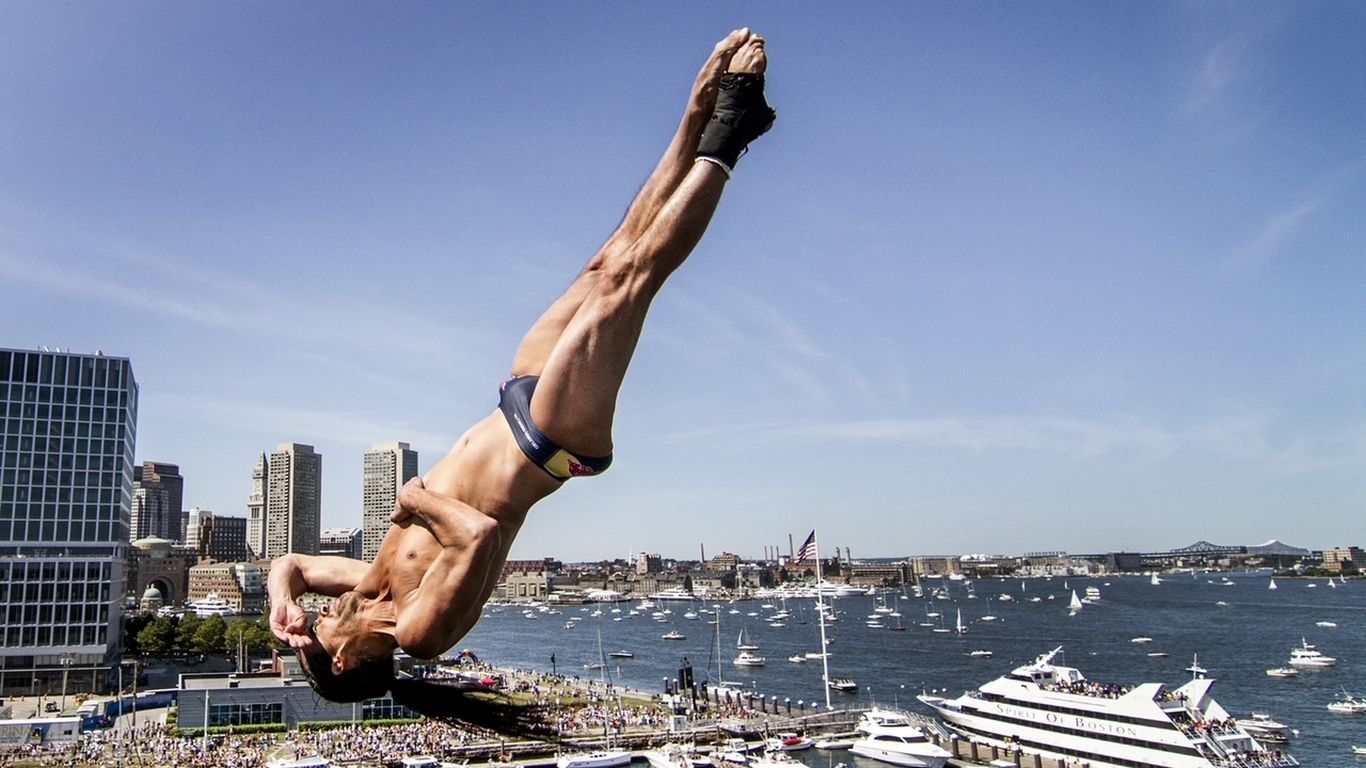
x=705, y=88
x=741, y=114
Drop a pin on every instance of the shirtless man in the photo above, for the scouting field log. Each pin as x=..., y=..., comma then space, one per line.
x=452, y=530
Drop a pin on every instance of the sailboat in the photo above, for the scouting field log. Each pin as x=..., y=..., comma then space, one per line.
x=958, y=627
x=1272, y=585
x=607, y=757
x=1075, y=605
x=1155, y=580
x=742, y=643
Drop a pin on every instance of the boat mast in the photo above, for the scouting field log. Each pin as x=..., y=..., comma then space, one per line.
x=820, y=609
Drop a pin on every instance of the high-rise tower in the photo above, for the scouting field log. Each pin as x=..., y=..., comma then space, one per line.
x=256, y=509
x=293, y=503
x=387, y=467
x=157, y=492
x=66, y=486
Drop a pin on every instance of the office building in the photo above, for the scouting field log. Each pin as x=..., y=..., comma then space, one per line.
x=157, y=492
x=293, y=501
x=222, y=538
x=66, y=487
x=342, y=542
x=387, y=467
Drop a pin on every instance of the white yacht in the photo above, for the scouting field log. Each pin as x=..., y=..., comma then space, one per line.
x=601, y=758
x=1309, y=656
x=210, y=605
x=888, y=736
x=747, y=659
x=672, y=594
x=1054, y=711
x=1265, y=728
x=1348, y=704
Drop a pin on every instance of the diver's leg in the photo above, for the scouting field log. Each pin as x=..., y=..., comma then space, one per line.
x=576, y=397
x=663, y=181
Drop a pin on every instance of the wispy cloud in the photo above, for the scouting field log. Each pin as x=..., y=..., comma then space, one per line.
x=1268, y=238
x=353, y=428
x=117, y=273
x=1241, y=438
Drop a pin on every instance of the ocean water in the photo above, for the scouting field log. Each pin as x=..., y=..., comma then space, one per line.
x=1237, y=630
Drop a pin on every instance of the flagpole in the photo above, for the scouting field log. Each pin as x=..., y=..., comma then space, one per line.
x=820, y=609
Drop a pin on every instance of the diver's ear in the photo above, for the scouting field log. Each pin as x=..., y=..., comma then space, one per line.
x=339, y=664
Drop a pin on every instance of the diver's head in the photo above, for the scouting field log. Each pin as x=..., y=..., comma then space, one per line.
x=351, y=657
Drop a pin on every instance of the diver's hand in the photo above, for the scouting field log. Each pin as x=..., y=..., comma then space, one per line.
x=289, y=622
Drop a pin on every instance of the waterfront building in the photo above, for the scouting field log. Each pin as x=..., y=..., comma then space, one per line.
x=525, y=580
x=292, y=501
x=158, y=490
x=1343, y=559
x=160, y=564
x=943, y=565
x=241, y=585
x=387, y=467
x=66, y=486
x=342, y=542
x=282, y=697
x=647, y=564
x=879, y=573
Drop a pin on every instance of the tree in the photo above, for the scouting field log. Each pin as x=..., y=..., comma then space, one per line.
x=208, y=637
x=185, y=633
x=158, y=636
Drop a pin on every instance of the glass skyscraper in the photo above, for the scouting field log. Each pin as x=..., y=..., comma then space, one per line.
x=66, y=482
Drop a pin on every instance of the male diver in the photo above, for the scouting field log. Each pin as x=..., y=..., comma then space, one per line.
x=452, y=529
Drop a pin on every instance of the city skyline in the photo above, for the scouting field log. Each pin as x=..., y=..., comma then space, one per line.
x=1001, y=277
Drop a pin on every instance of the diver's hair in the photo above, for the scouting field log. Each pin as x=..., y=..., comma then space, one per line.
x=433, y=698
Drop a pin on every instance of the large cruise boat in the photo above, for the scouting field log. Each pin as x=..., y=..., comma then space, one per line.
x=211, y=605
x=1055, y=711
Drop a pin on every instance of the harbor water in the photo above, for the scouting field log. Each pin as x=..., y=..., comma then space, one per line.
x=1235, y=625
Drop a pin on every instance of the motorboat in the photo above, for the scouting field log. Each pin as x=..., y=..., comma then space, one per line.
x=1348, y=704
x=1141, y=640
x=622, y=655
x=979, y=654
x=1265, y=728
x=747, y=659
x=797, y=658
x=889, y=737
x=1023, y=707
x=674, y=634
x=598, y=758
x=789, y=742
x=1282, y=672
x=675, y=756
x=1309, y=656
x=833, y=744
x=843, y=685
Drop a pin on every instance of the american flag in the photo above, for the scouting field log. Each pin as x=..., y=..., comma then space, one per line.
x=808, y=550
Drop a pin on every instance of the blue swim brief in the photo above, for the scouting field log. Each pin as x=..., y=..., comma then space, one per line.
x=514, y=400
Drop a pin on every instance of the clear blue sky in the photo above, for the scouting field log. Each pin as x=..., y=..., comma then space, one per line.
x=1004, y=277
